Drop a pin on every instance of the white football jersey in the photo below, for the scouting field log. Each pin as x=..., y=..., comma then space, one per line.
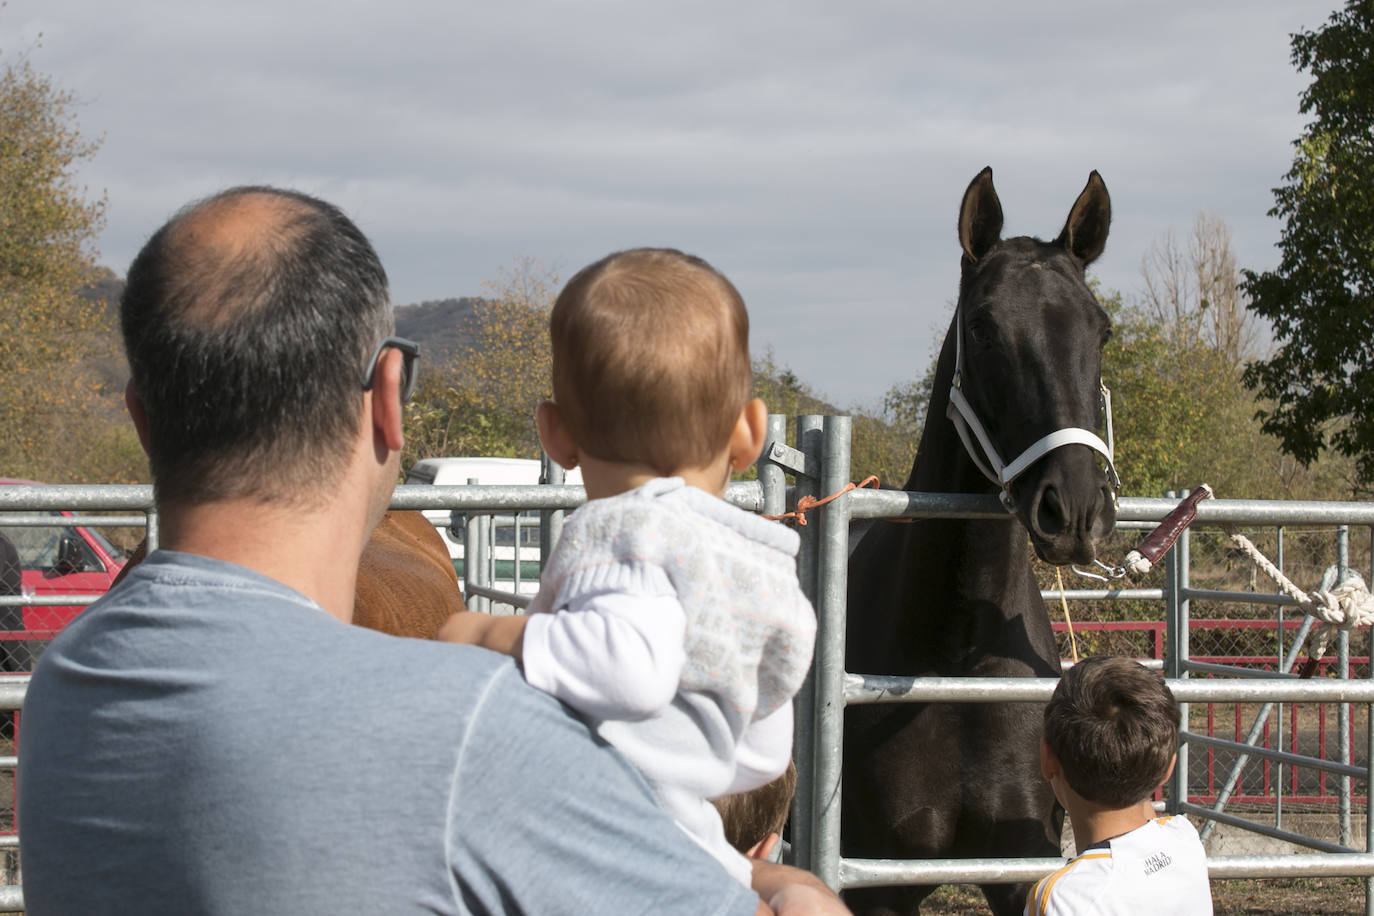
x=1157, y=868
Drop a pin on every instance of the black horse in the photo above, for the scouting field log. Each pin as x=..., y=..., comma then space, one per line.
x=946, y=597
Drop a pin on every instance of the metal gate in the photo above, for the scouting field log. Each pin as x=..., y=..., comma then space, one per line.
x=818, y=462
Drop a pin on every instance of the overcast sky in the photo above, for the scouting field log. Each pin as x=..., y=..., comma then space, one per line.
x=815, y=153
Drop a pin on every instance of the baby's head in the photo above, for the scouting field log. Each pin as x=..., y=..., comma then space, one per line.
x=1113, y=727
x=651, y=360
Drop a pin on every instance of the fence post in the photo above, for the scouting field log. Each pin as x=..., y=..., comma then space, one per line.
x=1369, y=751
x=832, y=582
x=476, y=531
x=811, y=445
x=150, y=533
x=1278, y=785
x=550, y=520
x=1343, y=709
x=1175, y=625
x=772, y=477
x=1184, y=549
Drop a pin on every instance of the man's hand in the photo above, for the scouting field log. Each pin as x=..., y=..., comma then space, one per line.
x=505, y=634
x=792, y=892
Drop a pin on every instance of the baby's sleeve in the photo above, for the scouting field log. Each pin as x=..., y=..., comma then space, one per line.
x=608, y=654
x=763, y=751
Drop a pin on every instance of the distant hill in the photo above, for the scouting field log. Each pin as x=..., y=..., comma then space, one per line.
x=441, y=327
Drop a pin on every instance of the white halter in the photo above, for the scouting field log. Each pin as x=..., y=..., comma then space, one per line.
x=1003, y=474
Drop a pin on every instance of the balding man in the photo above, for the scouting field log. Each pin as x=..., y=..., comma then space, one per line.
x=212, y=737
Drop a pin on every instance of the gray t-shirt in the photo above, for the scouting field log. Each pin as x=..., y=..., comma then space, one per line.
x=206, y=740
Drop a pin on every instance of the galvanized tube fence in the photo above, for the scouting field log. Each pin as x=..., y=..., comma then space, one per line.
x=819, y=465
x=838, y=872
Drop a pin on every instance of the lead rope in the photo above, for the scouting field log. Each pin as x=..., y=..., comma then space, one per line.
x=807, y=503
x=1339, y=607
x=1063, y=601
x=1343, y=606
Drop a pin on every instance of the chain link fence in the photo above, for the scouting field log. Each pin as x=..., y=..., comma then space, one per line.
x=1233, y=631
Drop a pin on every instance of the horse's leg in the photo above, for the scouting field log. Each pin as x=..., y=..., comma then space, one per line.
x=887, y=901
x=1014, y=839
x=1006, y=899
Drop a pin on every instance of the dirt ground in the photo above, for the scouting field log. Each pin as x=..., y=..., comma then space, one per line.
x=1237, y=897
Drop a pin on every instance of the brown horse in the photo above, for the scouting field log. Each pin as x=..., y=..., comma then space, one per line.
x=406, y=583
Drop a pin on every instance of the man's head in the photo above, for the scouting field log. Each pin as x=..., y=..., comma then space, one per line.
x=248, y=320
x=650, y=359
x=1113, y=727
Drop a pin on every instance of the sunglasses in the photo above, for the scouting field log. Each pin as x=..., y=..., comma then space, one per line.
x=409, y=366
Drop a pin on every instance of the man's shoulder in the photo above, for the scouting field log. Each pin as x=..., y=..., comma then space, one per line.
x=179, y=616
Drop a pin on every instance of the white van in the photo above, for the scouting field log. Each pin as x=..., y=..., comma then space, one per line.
x=507, y=549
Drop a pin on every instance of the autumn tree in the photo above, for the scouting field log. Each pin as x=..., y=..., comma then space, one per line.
x=482, y=402
x=1192, y=290
x=1320, y=299
x=48, y=225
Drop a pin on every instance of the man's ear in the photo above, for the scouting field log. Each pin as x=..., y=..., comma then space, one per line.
x=1169, y=772
x=136, y=413
x=554, y=435
x=750, y=433
x=388, y=413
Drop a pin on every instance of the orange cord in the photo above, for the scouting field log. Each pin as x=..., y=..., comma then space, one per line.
x=807, y=503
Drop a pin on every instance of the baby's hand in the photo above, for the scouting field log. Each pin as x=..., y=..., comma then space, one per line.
x=500, y=634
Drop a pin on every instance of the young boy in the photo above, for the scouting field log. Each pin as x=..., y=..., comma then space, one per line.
x=1110, y=732
x=754, y=820
x=670, y=620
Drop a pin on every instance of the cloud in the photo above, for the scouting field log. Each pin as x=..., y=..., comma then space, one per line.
x=816, y=152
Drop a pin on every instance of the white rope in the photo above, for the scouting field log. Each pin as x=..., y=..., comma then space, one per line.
x=1339, y=607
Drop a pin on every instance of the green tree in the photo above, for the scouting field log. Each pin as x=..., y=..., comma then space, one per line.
x=1320, y=299
x=47, y=232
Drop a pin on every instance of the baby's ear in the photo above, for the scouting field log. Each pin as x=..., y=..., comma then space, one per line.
x=763, y=848
x=554, y=435
x=749, y=435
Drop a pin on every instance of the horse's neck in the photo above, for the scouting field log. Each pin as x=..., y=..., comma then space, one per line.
x=943, y=465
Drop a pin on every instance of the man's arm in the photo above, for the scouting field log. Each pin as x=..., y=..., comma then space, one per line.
x=545, y=818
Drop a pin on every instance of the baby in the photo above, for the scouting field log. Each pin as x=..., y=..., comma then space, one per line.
x=670, y=620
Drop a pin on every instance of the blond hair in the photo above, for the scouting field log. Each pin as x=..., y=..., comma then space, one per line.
x=650, y=359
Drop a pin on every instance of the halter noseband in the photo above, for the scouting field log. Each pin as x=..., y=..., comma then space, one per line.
x=1003, y=474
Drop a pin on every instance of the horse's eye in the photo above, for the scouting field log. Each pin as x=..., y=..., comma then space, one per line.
x=979, y=332
x=1106, y=335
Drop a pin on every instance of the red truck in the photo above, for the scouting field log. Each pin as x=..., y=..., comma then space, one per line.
x=53, y=560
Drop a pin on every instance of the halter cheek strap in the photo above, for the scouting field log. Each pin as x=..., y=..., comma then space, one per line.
x=985, y=455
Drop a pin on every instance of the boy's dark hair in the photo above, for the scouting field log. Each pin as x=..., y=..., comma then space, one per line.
x=650, y=358
x=248, y=320
x=1113, y=725
x=751, y=816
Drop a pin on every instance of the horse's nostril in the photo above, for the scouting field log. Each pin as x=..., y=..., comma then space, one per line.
x=1049, y=513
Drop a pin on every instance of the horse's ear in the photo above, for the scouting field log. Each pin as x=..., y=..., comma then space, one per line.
x=980, y=216
x=1085, y=232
